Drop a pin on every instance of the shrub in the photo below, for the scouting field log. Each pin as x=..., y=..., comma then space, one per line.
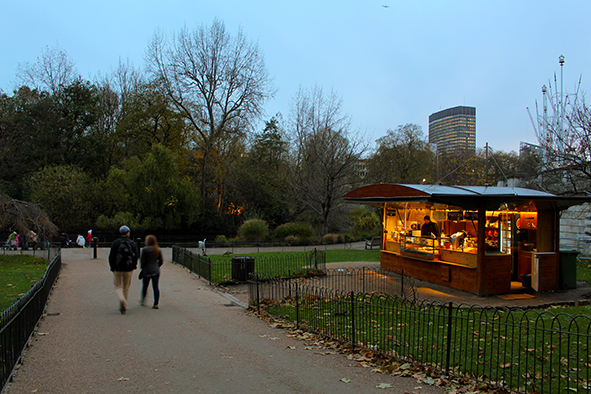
x=293, y=240
x=221, y=241
x=365, y=222
x=330, y=239
x=254, y=230
x=121, y=218
x=299, y=230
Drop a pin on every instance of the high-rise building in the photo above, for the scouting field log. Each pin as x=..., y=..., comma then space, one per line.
x=453, y=129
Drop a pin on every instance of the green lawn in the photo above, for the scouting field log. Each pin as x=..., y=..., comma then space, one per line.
x=280, y=263
x=525, y=349
x=584, y=270
x=18, y=273
x=332, y=256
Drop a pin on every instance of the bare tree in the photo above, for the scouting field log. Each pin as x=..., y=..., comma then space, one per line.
x=218, y=81
x=566, y=151
x=325, y=153
x=24, y=216
x=50, y=72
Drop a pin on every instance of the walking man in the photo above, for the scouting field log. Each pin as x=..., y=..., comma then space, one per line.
x=123, y=260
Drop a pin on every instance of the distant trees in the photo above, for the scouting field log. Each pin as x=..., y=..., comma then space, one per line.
x=67, y=194
x=218, y=83
x=324, y=154
x=402, y=156
x=53, y=70
x=152, y=190
x=176, y=149
x=259, y=184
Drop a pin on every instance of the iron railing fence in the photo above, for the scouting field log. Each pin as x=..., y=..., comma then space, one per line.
x=200, y=265
x=18, y=322
x=221, y=269
x=359, y=280
x=522, y=351
x=45, y=252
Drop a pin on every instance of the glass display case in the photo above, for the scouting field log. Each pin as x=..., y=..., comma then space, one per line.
x=423, y=247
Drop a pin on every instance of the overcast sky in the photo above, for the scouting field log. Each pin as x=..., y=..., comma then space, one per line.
x=391, y=62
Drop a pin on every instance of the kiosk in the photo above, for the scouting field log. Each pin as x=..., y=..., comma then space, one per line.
x=488, y=236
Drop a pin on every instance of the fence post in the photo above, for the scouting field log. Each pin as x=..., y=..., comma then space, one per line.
x=363, y=278
x=448, y=350
x=289, y=282
x=210, y=264
x=297, y=299
x=402, y=284
x=258, y=293
x=353, y=318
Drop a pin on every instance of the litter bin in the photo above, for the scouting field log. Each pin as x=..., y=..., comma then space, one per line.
x=526, y=280
x=568, y=269
x=241, y=267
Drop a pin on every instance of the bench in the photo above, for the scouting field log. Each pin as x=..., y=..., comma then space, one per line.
x=375, y=241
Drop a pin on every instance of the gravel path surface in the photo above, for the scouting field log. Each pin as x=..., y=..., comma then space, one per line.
x=197, y=342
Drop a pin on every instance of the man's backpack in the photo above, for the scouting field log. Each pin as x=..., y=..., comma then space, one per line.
x=125, y=256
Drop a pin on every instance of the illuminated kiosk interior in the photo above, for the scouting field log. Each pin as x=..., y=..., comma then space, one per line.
x=486, y=237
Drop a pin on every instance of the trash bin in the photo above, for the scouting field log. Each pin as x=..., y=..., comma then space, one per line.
x=568, y=269
x=526, y=280
x=241, y=267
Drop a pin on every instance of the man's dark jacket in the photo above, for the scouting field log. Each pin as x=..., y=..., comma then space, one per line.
x=115, y=250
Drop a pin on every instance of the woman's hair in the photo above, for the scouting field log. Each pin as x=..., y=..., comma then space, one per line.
x=151, y=241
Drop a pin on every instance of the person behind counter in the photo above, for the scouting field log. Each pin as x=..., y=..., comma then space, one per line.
x=429, y=228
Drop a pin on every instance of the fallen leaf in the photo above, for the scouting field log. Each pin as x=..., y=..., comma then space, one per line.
x=384, y=386
x=122, y=379
x=345, y=380
x=291, y=347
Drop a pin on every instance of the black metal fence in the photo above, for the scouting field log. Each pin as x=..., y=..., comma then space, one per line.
x=334, y=281
x=18, y=322
x=222, y=269
x=522, y=351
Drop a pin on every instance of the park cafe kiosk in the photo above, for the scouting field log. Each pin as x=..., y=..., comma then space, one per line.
x=489, y=236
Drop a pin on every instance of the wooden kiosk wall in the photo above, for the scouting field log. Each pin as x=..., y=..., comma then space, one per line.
x=498, y=272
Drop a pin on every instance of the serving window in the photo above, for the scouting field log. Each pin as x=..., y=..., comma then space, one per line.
x=457, y=228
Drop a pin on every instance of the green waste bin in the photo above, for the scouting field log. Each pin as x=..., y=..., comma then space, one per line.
x=568, y=269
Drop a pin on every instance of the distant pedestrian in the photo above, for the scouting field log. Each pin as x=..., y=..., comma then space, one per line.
x=33, y=239
x=122, y=261
x=150, y=263
x=12, y=240
x=89, y=238
x=64, y=240
x=80, y=240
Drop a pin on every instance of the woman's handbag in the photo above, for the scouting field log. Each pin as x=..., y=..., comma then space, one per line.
x=141, y=275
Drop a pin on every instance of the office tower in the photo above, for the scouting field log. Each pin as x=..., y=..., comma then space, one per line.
x=453, y=129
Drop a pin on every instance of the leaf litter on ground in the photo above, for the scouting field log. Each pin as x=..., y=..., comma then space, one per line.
x=379, y=362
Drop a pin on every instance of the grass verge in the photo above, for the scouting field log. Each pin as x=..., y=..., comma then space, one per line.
x=18, y=273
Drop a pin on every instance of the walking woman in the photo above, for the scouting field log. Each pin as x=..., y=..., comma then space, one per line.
x=150, y=262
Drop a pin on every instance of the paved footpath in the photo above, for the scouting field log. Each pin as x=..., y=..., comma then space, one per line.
x=197, y=342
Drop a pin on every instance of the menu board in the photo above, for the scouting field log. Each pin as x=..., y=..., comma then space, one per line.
x=470, y=215
x=455, y=216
